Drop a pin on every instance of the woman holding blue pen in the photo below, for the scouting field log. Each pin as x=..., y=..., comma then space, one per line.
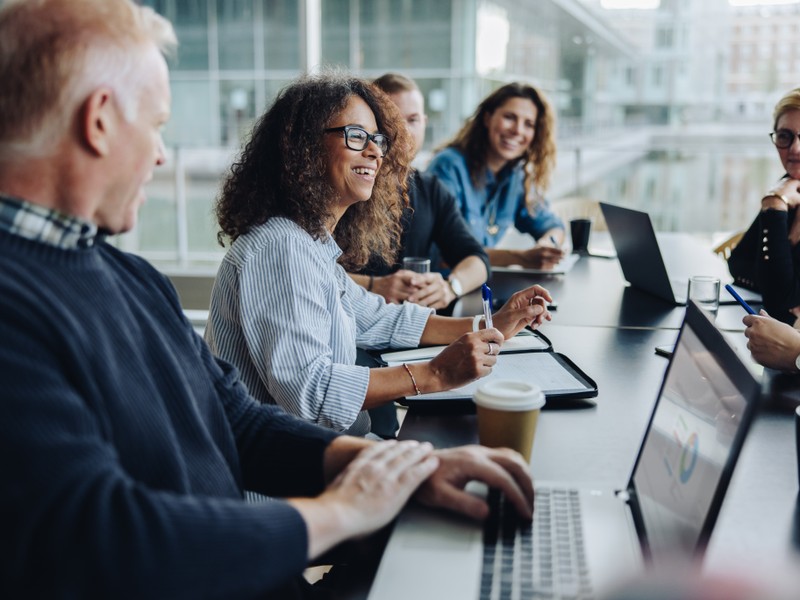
x=317, y=190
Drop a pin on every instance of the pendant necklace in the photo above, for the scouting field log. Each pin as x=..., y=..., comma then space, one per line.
x=492, y=228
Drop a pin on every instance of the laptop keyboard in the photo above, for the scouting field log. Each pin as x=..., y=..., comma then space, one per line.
x=538, y=560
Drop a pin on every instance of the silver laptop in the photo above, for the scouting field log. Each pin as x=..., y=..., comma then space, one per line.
x=643, y=264
x=583, y=541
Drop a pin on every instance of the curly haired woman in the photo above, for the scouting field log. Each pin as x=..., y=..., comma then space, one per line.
x=498, y=167
x=316, y=191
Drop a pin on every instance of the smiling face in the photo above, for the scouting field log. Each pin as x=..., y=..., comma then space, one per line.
x=510, y=129
x=352, y=173
x=790, y=157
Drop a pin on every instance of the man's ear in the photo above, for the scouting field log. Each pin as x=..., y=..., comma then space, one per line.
x=98, y=118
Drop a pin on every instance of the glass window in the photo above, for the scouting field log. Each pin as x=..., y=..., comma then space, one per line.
x=281, y=36
x=202, y=227
x=190, y=20
x=236, y=34
x=156, y=229
x=386, y=34
x=619, y=70
x=664, y=37
x=336, y=32
x=191, y=123
x=658, y=75
x=237, y=107
x=405, y=35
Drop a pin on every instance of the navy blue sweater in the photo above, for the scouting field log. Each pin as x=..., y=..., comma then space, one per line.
x=125, y=445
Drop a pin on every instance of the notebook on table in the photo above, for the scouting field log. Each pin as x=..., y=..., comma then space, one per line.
x=527, y=357
x=563, y=267
x=642, y=262
x=584, y=540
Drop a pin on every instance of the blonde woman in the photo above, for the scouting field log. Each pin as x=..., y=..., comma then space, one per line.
x=498, y=166
x=768, y=256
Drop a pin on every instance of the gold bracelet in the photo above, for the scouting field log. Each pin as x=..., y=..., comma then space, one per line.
x=414, y=381
x=780, y=196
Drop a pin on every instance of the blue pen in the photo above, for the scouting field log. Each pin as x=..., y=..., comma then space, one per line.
x=739, y=299
x=554, y=240
x=486, y=292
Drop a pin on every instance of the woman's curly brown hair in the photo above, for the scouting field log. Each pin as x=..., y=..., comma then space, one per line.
x=539, y=159
x=282, y=171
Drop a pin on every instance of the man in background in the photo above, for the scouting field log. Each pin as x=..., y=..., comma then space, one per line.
x=432, y=225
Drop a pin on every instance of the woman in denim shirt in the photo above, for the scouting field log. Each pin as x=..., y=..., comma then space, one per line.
x=498, y=165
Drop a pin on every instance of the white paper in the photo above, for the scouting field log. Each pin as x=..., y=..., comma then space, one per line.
x=524, y=340
x=565, y=266
x=538, y=368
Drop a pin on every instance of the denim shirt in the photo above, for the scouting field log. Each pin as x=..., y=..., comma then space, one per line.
x=501, y=201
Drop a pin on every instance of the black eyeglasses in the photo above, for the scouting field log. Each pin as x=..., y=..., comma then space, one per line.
x=357, y=138
x=783, y=138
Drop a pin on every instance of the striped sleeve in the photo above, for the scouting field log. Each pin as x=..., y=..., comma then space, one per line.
x=287, y=301
x=380, y=324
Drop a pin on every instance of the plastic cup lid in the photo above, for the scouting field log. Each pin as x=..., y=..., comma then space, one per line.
x=509, y=395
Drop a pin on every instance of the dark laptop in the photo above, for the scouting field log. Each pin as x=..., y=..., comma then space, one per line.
x=586, y=540
x=643, y=264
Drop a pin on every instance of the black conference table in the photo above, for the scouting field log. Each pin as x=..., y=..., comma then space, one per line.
x=595, y=293
x=610, y=331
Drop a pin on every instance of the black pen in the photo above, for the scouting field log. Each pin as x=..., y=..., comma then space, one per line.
x=739, y=299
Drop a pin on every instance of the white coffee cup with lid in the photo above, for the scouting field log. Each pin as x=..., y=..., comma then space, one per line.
x=508, y=412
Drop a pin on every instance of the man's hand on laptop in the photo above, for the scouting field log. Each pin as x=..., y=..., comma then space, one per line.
x=499, y=468
x=368, y=492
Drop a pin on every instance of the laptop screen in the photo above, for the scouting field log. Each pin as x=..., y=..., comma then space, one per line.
x=694, y=437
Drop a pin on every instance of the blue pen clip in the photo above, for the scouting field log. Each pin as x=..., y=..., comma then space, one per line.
x=555, y=241
x=486, y=293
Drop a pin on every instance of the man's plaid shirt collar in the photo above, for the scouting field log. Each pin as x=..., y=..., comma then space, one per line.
x=42, y=224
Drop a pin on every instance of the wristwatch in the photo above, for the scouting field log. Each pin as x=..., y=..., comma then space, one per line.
x=455, y=285
x=797, y=362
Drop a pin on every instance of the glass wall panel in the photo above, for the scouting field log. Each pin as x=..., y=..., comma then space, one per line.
x=336, y=32
x=190, y=20
x=616, y=78
x=191, y=123
x=237, y=110
x=282, y=39
x=157, y=226
x=202, y=227
x=405, y=34
x=236, y=34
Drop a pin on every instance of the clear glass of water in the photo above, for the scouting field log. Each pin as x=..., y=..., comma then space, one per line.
x=418, y=264
x=704, y=290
